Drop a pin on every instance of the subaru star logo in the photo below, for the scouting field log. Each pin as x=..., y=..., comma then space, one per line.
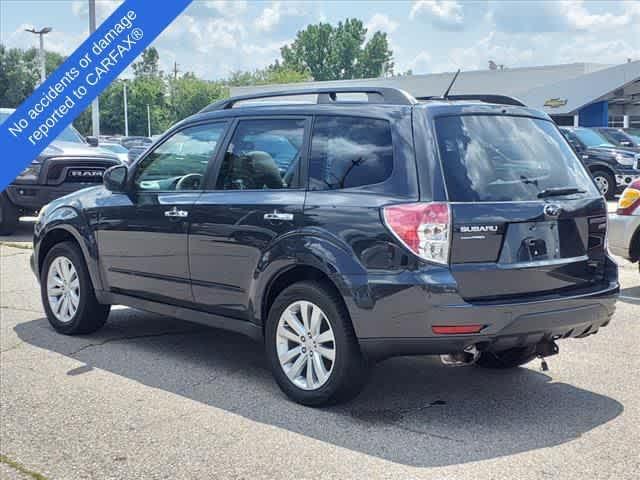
x=552, y=210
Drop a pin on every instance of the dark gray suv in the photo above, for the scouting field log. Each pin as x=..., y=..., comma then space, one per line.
x=361, y=225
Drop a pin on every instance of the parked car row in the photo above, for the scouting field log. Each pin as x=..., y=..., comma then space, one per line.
x=610, y=154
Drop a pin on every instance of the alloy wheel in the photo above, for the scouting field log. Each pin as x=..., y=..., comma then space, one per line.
x=63, y=289
x=603, y=184
x=306, y=345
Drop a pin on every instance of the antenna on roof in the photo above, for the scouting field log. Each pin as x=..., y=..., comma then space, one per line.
x=446, y=92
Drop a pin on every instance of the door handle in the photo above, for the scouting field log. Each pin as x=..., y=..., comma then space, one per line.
x=279, y=216
x=175, y=213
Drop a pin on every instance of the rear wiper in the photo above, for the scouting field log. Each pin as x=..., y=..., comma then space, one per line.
x=555, y=192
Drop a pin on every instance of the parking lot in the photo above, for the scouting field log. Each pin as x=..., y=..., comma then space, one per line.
x=152, y=397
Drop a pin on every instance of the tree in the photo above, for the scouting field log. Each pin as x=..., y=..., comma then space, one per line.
x=275, y=73
x=20, y=73
x=337, y=53
x=148, y=65
x=190, y=94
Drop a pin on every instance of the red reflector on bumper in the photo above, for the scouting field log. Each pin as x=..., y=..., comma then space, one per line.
x=455, y=329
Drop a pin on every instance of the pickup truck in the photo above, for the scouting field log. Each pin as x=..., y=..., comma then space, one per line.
x=68, y=164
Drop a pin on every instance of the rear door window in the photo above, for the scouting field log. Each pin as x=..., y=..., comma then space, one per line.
x=349, y=152
x=263, y=154
x=491, y=158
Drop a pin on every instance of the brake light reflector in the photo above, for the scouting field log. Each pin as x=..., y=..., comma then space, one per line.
x=629, y=200
x=424, y=228
x=455, y=329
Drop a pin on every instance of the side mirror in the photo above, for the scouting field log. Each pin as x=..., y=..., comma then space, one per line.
x=92, y=141
x=624, y=143
x=115, y=178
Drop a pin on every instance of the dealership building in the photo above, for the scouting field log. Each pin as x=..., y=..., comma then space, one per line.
x=580, y=94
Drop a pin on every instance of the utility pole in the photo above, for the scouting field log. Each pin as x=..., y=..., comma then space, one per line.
x=175, y=70
x=149, y=120
x=126, y=117
x=95, y=105
x=41, y=33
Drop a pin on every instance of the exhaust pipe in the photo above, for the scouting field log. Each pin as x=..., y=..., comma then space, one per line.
x=460, y=359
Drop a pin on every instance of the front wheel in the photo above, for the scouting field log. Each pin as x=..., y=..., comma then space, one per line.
x=511, y=358
x=605, y=183
x=67, y=293
x=311, y=347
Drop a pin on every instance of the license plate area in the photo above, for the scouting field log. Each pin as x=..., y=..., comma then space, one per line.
x=542, y=241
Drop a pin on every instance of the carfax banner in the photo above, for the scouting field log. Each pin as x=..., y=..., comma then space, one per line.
x=80, y=79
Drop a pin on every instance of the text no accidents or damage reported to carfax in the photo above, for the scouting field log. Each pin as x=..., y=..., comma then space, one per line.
x=100, y=57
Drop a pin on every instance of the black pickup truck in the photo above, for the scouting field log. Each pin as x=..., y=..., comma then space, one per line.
x=612, y=167
x=68, y=164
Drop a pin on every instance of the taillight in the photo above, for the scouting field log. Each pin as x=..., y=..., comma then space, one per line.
x=424, y=228
x=629, y=200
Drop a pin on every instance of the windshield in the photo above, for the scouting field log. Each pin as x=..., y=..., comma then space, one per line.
x=490, y=158
x=619, y=138
x=114, y=147
x=591, y=138
x=69, y=134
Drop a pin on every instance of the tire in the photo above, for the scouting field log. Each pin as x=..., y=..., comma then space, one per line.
x=89, y=315
x=604, y=180
x=9, y=216
x=345, y=375
x=512, y=358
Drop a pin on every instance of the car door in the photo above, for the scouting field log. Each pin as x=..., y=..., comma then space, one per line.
x=254, y=197
x=142, y=235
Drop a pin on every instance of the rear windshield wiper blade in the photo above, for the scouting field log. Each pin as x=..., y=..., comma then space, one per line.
x=555, y=192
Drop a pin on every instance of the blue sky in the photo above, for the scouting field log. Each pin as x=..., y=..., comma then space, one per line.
x=212, y=38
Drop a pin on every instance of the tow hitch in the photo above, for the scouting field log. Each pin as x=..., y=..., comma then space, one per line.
x=460, y=359
x=546, y=349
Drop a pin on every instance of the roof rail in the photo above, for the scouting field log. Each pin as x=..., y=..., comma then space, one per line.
x=487, y=98
x=379, y=95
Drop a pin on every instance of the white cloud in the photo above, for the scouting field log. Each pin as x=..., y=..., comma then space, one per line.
x=382, y=22
x=421, y=63
x=56, y=41
x=494, y=46
x=228, y=8
x=272, y=15
x=579, y=18
x=104, y=8
x=443, y=13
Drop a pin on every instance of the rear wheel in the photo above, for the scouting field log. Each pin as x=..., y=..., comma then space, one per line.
x=605, y=183
x=8, y=216
x=511, y=358
x=67, y=293
x=311, y=346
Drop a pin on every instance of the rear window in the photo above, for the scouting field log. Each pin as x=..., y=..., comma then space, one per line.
x=490, y=158
x=349, y=152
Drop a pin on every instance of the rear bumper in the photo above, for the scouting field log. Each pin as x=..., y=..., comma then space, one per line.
x=621, y=231
x=33, y=197
x=403, y=325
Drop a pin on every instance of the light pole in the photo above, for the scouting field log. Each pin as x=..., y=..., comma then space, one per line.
x=126, y=117
x=149, y=120
x=41, y=33
x=95, y=105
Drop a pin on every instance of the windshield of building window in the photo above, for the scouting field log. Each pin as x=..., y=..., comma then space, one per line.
x=494, y=158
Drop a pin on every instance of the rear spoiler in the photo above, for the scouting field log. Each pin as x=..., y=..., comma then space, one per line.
x=487, y=98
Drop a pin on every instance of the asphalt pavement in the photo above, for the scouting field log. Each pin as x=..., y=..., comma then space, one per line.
x=152, y=397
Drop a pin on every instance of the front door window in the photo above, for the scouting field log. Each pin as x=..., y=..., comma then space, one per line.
x=180, y=162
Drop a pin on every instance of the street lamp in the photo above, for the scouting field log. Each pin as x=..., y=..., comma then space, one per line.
x=42, y=32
